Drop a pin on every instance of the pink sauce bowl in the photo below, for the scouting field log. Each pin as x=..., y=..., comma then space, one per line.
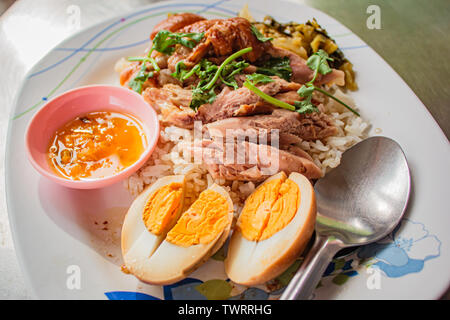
x=76, y=102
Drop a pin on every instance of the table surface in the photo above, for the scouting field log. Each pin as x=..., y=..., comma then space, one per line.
x=29, y=29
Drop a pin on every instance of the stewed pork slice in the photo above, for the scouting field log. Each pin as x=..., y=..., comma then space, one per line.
x=296, y=151
x=176, y=22
x=173, y=103
x=222, y=37
x=230, y=35
x=291, y=126
x=242, y=102
x=301, y=73
x=247, y=161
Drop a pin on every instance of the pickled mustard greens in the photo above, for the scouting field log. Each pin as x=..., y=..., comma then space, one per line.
x=306, y=39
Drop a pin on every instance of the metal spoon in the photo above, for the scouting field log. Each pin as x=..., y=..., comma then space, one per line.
x=359, y=202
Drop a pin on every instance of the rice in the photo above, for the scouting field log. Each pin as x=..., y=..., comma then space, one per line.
x=171, y=156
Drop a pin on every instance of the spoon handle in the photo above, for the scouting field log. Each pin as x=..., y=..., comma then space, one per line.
x=308, y=276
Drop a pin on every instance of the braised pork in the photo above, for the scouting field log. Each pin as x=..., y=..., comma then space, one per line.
x=242, y=102
x=176, y=22
x=173, y=103
x=246, y=161
x=290, y=125
x=301, y=73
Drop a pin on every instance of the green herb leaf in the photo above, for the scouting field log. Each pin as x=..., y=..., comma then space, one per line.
x=264, y=96
x=259, y=35
x=230, y=70
x=305, y=91
x=206, y=72
x=319, y=63
x=165, y=41
x=209, y=74
x=137, y=59
x=305, y=106
x=280, y=67
x=140, y=78
x=182, y=73
x=256, y=78
x=224, y=63
x=162, y=43
x=189, y=40
x=200, y=96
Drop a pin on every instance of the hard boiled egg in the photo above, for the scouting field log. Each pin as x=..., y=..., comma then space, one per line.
x=162, y=245
x=273, y=229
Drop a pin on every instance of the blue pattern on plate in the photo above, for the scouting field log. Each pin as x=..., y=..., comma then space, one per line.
x=401, y=254
x=129, y=295
x=183, y=290
x=251, y=294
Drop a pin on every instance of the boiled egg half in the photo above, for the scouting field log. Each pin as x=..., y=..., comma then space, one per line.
x=273, y=229
x=160, y=243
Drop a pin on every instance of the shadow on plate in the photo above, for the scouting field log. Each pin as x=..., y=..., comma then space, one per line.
x=93, y=217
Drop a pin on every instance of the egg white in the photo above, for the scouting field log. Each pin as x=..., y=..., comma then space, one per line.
x=255, y=262
x=156, y=261
x=139, y=244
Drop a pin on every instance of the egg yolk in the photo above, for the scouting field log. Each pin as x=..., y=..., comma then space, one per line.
x=269, y=209
x=202, y=222
x=162, y=207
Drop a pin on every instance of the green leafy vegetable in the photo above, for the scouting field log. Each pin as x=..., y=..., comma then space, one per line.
x=138, y=81
x=144, y=60
x=164, y=42
x=319, y=63
x=206, y=71
x=305, y=106
x=202, y=96
x=259, y=35
x=256, y=78
x=280, y=67
x=224, y=64
x=208, y=74
x=305, y=91
x=268, y=98
x=230, y=70
x=181, y=71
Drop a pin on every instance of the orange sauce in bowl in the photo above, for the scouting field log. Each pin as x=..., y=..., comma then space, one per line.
x=96, y=145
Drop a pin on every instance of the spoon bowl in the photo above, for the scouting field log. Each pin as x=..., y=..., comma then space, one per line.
x=364, y=198
x=359, y=202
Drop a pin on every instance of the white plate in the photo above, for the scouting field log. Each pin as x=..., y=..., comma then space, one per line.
x=67, y=251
